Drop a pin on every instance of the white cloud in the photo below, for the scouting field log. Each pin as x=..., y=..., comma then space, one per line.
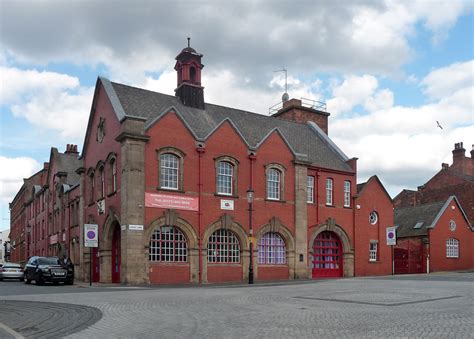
x=441, y=82
x=12, y=173
x=47, y=100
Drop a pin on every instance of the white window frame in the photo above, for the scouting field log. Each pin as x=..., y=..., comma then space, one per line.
x=310, y=189
x=329, y=191
x=271, y=249
x=274, y=184
x=167, y=244
x=373, y=251
x=169, y=171
x=452, y=248
x=347, y=193
x=223, y=247
x=225, y=178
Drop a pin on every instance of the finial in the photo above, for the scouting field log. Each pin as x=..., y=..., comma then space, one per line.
x=189, y=39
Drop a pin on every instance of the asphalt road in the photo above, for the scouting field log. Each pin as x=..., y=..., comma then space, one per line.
x=435, y=306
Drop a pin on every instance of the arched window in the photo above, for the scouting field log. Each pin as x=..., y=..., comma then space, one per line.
x=91, y=187
x=111, y=174
x=168, y=244
x=102, y=183
x=192, y=74
x=273, y=184
x=452, y=248
x=271, y=249
x=169, y=171
x=223, y=247
x=225, y=174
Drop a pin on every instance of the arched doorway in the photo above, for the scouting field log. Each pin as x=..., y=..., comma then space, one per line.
x=116, y=254
x=327, y=256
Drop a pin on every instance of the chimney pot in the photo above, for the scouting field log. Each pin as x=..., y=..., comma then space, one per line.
x=444, y=166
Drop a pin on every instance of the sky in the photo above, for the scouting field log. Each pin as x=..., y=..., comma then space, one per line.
x=388, y=70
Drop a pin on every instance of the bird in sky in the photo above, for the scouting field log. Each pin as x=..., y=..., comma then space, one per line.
x=437, y=122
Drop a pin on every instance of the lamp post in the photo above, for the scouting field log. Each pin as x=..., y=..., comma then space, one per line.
x=250, y=201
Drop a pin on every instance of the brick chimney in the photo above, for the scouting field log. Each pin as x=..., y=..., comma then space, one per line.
x=458, y=153
x=297, y=111
x=71, y=149
x=461, y=163
x=472, y=152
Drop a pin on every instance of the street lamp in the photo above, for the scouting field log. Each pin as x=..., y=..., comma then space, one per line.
x=250, y=196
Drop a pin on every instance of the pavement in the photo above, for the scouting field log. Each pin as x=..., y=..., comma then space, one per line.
x=434, y=306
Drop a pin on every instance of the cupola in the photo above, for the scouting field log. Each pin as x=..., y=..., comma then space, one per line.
x=188, y=67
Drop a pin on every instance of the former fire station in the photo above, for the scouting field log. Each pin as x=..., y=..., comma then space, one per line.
x=184, y=191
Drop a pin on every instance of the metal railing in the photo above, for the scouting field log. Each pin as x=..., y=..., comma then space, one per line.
x=305, y=102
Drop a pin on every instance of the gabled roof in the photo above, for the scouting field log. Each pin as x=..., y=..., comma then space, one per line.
x=304, y=140
x=361, y=186
x=64, y=162
x=415, y=220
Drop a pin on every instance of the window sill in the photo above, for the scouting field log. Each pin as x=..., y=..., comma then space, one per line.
x=275, y=200
x=220, y=195
x=330, y=205
x=169, y=190
x=235, y=264
x=348, y=207
x=452, y=257
x=375, y=262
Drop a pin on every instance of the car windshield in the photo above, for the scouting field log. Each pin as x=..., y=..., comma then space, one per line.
x=48, y=261
x=12, y=266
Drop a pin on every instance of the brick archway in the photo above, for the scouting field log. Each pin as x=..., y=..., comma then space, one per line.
x=111, y=226
x=347, y=250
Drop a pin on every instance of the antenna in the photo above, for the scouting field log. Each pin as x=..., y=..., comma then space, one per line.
x=285, y=96
x=189, y=41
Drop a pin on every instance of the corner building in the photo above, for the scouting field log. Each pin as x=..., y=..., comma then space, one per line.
x=185, y=191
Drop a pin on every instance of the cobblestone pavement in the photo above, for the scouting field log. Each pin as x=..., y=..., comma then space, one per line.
x=435, y=306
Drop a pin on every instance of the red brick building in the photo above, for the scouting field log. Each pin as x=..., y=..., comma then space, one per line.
x=373, y=214
x=184, y=191
x=433, y=237
x=457, y=179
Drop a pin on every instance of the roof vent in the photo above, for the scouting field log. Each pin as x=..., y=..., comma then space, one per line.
x=418, y=225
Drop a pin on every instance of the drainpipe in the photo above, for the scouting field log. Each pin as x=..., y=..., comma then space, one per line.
x=200, y=151
x=354, y=207
x=316, y=186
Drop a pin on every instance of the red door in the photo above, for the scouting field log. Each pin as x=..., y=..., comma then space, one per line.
x=327, y=256
x=95, y=265
x=408, y=257
x=116, y=255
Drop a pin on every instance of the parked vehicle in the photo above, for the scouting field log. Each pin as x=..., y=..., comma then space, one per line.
x=11, y=270
x=48, y=269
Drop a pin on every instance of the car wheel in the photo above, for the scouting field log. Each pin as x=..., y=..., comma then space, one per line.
x=1, y=279
x=27, y=281
x=70, y=282
x=39, y=281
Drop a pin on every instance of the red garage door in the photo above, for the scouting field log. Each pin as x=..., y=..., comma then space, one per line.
x=408, y=257
x=327, y=256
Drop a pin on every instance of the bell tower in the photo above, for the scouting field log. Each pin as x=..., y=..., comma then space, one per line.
x=189, y=66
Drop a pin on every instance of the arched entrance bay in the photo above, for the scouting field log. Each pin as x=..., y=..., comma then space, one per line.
x=327, y=256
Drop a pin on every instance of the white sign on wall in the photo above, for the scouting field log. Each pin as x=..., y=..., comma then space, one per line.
x=227, y=205
x=91, y=235
x=391, y=236
x=135, y=227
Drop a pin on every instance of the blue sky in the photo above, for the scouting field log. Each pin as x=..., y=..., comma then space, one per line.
x=388, y=70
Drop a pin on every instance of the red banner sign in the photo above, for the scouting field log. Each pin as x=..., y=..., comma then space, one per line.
x=171, y=201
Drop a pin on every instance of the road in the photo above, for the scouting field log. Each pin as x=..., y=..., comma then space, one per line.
x=436, y=306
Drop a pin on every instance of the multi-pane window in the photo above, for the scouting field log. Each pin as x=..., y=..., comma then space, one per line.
x=310, y=189
x=329, y=186
x=168, y=244
x=169, y=166
x=273, y=184
x=373, y=251
x=271, y=249
x=225, y=172
x=347, y=193
x=223, y=247
x=452, y=248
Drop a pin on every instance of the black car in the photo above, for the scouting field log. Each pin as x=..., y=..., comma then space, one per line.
x=48, y=269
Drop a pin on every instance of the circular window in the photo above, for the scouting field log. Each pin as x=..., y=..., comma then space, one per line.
x=452, y=225
x=373, y=217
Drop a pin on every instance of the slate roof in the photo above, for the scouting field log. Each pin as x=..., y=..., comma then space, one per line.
x=407, y=217
x=305, y=140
